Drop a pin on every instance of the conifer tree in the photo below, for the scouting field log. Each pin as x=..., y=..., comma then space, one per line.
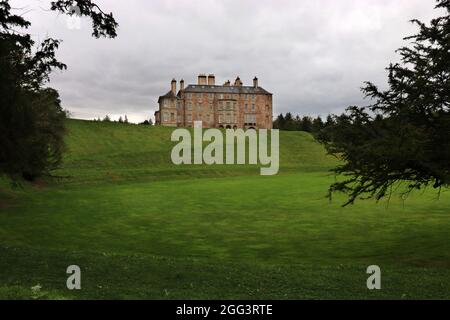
x=403, y=137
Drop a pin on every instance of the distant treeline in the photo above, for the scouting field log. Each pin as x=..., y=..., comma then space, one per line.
x=298, y=123
x=107, y=118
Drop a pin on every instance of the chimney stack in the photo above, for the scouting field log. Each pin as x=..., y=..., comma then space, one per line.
x=255, y=82
x=238, y=82
x=181, y=84
x=202, y=79
x=211, y=80
x=174, y=86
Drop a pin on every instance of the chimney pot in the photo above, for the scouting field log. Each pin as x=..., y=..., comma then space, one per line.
x=211, y=80
x=255, y=82
x=238, y=82
x=202, y=79
x=174, y=86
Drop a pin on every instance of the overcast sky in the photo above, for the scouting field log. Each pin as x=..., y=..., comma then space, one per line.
x=313, y=55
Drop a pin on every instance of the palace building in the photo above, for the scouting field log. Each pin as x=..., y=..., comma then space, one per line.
x=217, y=106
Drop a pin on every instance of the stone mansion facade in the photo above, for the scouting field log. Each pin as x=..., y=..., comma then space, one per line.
x=217, y=106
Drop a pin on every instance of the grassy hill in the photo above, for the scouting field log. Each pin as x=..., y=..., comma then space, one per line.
x=141, y=227
x=113, y=151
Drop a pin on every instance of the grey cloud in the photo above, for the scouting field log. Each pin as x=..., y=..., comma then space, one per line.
x=313, y=55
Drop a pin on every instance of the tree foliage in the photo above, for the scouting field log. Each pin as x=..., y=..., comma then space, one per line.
x=31, y=117
x=290, y=123
x=103, y=24
x=148, y=122
x=403, y=137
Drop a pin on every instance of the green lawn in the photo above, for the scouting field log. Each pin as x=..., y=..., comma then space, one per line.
x=140, y=227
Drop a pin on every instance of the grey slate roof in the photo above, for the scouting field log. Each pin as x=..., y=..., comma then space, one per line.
x=169, y=94
x=225, y=89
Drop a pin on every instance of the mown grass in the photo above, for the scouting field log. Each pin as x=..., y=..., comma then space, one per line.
x=141, y=227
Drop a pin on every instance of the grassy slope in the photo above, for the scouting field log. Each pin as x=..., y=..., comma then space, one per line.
x=141, y=227
x=116, y=152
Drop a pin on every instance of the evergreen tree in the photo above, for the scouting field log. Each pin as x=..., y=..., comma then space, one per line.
x=298, y=123
x=279, y=123
x=404, y=136
x=317, y=124
x=289, y=122
x=306, y=124
x=31, y=117
x=329, y=122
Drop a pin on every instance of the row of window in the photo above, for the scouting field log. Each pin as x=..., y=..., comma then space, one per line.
x=168, y=103
x=199, y=95
x=227, y=118
x=199, y=107
x=170, y=117
x=250, y=118
x=166, y=117
x=220, y=96
x=222, y=106
x=207, y=118
x=223, y=118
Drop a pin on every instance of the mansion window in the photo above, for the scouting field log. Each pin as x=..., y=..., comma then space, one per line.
x=250, y=118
